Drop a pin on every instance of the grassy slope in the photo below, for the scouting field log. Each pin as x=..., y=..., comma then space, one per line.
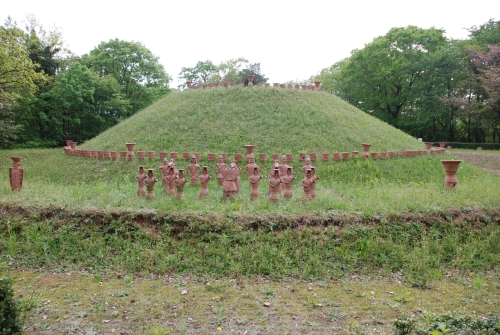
x=356, y=186
x=275, y=120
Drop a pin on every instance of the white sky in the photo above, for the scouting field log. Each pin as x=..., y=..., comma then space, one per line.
x=291, y=39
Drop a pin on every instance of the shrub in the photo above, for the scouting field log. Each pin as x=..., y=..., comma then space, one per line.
x=473, y=146
x=10, y=322
x=459, y=324
x=404, y=326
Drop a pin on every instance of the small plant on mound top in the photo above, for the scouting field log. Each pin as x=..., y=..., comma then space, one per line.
x=10, y=322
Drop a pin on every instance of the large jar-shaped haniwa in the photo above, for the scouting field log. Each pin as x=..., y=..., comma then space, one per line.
x=130, y=147
x=451, y=168
x=366, y=149
x=428, y=146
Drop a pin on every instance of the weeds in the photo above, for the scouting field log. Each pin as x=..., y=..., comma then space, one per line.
x=404, y=326
x=220, y=315
x=478, y=282
x=308, y=253
x=267, y=292
x=336, y=316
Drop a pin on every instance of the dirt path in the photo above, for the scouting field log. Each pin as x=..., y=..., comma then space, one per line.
x=488, y=162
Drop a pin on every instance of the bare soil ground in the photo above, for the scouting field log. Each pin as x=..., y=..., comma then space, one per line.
x=487, y=161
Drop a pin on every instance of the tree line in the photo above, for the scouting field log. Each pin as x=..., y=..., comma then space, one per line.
x=47, y=94
x=235, y=70
x=415, y=79
x=425, y=84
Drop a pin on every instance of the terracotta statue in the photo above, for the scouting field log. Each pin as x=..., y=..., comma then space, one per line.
x=307, y=166
x=150, y=184
x=204, y=178
x=283, y=168
x=276, y=165
x=171, y=176
x=141, y=177
x=172, y=164
x=237, y=180
x=251, y=165
x=16, y=175
x=179, y=183
x=193, y=170
x=306, y=183
x=220, y=165
x=230, y=175
x=274, y=186
x=254, y=184
x=164, y=172
x=314, y=177
x=287, y=182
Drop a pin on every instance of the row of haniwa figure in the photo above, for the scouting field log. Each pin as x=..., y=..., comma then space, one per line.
x=280, y=181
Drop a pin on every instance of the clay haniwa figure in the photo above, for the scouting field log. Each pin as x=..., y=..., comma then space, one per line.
x=171, y=176
x=274, y=184
x=204, y=178
x=193, y=170
x=254, y=184
x=179, y=182
x=141, y=177
x=307, y=166
x=237, y=180
x=251, y=165
x=314, y=177
x=172, y=164
x=306, y=183
x=283, y=168
x=16, y=174
x=150, y=184
x=287, y=182
x=220, y=164
x=276, y=165
x=229, y=175
x=164, y=172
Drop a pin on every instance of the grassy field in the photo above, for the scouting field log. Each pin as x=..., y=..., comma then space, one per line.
x=360, y=188
x=383, y=249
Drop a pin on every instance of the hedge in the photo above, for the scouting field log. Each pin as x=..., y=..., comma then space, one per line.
x=473, y=146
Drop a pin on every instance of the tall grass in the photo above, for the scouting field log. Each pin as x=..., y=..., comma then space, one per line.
x=420, y=254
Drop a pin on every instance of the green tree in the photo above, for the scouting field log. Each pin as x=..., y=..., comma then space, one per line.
x=383, y=77
x=332, y=80
x=136, y=69
x=488, y=76
x=201, y=73
x=251, y=70
x=472, y=97
x=487, y=33
x=207, y=72
x=18, y=78
x=228, y=70
x=84, y=104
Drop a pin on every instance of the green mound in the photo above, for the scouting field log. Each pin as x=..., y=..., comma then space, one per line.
x=276, y=120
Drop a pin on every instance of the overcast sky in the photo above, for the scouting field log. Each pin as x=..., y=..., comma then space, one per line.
x=290, y=39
